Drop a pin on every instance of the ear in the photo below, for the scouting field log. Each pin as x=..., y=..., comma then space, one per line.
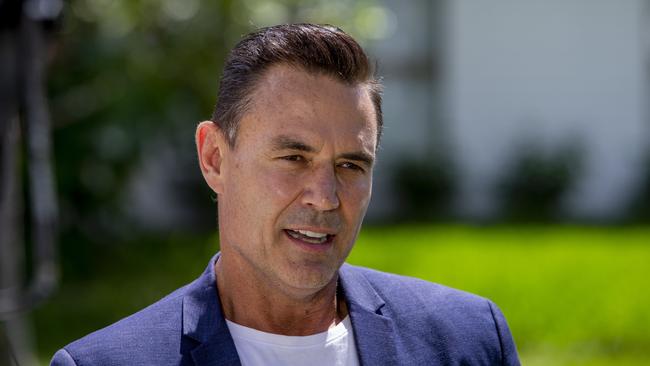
x=211, y=146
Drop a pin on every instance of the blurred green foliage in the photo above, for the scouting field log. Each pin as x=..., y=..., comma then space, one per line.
x=130, y=80
x=572, y=295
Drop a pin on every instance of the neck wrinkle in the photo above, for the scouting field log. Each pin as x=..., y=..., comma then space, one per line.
x=259, y=307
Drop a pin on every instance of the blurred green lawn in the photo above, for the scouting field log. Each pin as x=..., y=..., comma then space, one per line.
x=572, y=295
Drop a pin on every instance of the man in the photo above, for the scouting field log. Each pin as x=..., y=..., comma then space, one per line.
x=289, y=153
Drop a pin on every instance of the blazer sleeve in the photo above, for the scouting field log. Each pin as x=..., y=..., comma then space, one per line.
x=62, y=358
x=509, y=355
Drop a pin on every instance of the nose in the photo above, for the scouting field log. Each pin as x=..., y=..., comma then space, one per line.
x=320, y=190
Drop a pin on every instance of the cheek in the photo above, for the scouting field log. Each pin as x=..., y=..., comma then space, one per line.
x=266, y=191
x=357, y=196
x=281, y=186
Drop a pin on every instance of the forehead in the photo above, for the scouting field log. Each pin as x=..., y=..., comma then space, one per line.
x=289, y=99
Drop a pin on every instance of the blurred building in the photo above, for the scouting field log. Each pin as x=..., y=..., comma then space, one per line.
x=471, y=87
x=475, y=82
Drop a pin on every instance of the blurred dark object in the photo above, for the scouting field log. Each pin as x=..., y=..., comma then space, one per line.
x=424, y=188
x=639, y=207
x=25, y=130
x=535, y=184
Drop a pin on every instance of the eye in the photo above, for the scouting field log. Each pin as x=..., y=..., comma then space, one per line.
x=292, y=158
x=351, y=166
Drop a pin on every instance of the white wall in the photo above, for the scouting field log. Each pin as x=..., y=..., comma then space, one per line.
x=551, y=69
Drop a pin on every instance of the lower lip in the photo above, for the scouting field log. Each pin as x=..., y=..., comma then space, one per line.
x=316, y=248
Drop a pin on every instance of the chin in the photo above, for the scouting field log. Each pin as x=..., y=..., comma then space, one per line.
x=309, y=279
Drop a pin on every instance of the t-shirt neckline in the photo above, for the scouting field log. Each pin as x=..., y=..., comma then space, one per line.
x=253, y=335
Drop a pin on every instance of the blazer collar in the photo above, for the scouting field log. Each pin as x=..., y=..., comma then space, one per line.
x=373, y=331
x=204, y=323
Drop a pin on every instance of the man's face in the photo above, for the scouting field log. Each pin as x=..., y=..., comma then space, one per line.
x=298, y=181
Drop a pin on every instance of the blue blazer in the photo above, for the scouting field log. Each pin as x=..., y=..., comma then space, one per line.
x=396, y=320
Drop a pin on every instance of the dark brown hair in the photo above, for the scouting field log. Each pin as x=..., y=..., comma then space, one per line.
x=315, y=48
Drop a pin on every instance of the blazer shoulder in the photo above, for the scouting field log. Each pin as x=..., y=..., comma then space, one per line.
x=394, y=288
x=155, y=335
x=146, y=333
x=62, y=358
x=428, y=315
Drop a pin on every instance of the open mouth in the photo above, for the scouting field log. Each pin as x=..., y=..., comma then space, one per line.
x=310, y=237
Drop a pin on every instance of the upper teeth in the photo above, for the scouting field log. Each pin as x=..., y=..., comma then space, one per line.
x=312, y=234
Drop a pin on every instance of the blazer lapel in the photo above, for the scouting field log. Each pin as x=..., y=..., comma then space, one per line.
x=373, y=332
x=211, y=344
x=205, y=325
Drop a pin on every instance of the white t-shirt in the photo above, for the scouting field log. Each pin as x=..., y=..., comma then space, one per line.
x=334, y=347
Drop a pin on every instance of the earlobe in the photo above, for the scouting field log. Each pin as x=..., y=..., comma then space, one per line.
x=210, y=147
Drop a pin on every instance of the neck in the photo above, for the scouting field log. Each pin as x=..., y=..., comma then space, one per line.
x=253, y=302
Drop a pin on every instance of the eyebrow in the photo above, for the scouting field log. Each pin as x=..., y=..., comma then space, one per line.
x=285, y=142
x=359, y=156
